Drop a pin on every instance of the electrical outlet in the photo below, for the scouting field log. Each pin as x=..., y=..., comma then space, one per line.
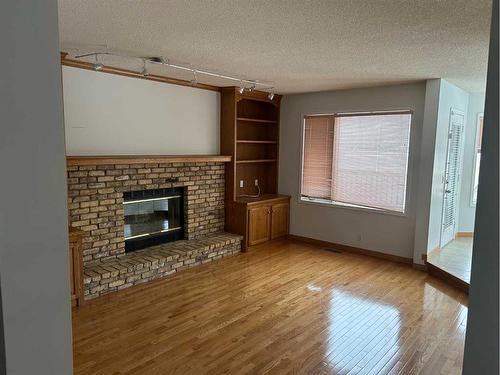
x=241, y=183
x=256, y=182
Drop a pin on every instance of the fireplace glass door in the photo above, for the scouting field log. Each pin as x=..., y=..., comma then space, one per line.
x=153, y=217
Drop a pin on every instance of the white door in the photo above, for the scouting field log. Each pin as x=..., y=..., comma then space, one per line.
x=451, y=177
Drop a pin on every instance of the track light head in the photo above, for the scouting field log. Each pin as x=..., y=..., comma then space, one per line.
x=194, y=81
x=241, y=89
x=144, y=71
x=270, y=95
x=97, y=65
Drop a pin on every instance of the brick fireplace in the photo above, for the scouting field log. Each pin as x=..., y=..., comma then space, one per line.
x=97, y=189
x=95, y=198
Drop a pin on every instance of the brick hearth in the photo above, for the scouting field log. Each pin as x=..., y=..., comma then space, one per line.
x=155, y=262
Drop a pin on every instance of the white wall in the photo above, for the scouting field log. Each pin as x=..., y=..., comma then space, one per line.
x=432, y=89
x=107, y=114
x=450, y=96
x=36, y=309
x=467, y=210
x=370, y=230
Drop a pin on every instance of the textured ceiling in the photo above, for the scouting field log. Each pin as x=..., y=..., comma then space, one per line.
x=299, y=45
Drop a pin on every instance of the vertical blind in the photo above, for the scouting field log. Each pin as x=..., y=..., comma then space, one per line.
x=357, y=159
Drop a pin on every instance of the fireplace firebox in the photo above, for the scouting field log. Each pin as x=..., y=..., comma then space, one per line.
x=153, y=217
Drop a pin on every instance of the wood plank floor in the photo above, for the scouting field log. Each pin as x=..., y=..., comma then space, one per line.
x=283, y=308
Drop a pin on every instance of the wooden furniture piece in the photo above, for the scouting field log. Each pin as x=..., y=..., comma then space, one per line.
x=250, y=135
x=76, y=267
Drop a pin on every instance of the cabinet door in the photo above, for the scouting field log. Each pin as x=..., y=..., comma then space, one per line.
x=258, y=225
x=279, y=220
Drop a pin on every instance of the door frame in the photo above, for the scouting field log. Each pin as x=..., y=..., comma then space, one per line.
x=453, y=111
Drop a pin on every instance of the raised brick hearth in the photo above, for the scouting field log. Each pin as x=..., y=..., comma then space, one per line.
x=155, y=262
x=95, y=203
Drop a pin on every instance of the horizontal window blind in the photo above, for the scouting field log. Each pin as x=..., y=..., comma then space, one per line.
x=369, y=159
x=317, y=160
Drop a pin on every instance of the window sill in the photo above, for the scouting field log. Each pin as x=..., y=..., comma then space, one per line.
x=347, y=206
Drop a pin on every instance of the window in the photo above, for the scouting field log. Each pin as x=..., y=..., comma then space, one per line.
x=477, y=159
x=357, y=159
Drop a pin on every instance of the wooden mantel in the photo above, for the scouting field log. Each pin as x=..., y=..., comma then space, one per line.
x=144, y=159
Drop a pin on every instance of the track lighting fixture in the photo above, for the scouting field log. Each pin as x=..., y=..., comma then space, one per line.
x=270, y=95
x=144, y=71
x=97, y=66
x=245, y=84
x=194, y=81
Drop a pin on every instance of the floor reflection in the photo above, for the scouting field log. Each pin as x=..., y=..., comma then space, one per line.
x=359, y=328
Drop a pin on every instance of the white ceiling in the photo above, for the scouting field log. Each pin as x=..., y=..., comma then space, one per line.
x=299, y=45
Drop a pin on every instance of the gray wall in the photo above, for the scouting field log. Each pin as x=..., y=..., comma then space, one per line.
x=467, y=210
x=481, y=343
x=370, y=230
x=33, y=216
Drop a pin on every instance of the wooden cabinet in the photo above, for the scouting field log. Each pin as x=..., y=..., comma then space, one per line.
x=258, y=225
x=75, y=267
x=260, y=219
x=279, y=220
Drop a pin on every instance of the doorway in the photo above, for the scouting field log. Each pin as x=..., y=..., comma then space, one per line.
x=452, y=177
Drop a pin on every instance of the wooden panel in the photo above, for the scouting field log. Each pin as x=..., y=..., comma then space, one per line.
x=228, y=139
x=279, y=220
x=144, y=159
x=256, y=151
x=76, y=267
x=258, y=111
x=266, y=173
x=258, y=225
x=256, y=131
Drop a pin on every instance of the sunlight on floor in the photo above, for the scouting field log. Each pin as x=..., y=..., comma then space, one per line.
x=454, y=258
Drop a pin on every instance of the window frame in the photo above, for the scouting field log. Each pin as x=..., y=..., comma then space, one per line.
x=474, y=165
x=342, y=205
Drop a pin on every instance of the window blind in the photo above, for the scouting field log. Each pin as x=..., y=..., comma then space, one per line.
x=369, y=159
x=317, y=159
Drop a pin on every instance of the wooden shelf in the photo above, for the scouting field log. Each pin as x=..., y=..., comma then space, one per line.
x=144, y=159
x=255, y=141
x=256, y=120
x=256, y=161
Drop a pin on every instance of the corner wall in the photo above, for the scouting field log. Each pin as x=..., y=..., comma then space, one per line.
x=482, y=347
x=467, y=210
x=450, y=97
x=375, y=231
x=34, y=252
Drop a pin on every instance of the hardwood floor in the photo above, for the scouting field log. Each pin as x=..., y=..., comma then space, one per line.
x=455, y=258
x=282, y=308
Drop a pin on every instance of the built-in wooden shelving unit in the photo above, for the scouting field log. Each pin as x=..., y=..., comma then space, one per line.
x=250, y=135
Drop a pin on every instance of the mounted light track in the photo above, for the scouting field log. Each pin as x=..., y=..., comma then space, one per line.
x=244, y=84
